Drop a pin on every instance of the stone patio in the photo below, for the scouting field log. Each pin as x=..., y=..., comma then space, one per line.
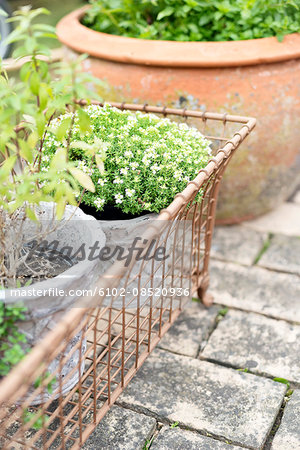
x=227, y=377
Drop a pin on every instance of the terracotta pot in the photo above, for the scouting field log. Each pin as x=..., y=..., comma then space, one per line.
x=258, y=78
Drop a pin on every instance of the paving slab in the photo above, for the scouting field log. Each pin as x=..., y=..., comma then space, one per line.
x=283, y=220
x=190, y=330
x=288, y=434
x=121, y=429
x=283, y=254
x=178, y=439
x=258, y=343
x=236, y=243
x=256, y=289
x=238, y=406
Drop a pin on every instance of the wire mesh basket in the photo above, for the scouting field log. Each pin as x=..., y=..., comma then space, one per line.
x=121, y=319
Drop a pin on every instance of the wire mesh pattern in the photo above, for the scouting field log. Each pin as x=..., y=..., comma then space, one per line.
x=118, y=323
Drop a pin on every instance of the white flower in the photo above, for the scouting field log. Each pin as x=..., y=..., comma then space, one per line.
x=129, y=192
x=128, y=154
x=81, y=165
x=99, y=202
x=134, y=165
x=178, y=175
x=139, y=146
x=119, y=198
x=155, y=168
x=102, y=182
x=145, y=160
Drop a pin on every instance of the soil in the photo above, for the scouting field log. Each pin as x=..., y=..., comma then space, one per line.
x=42, y=264
x=110, y=213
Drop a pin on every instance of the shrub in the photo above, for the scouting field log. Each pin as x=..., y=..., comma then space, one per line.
x=195, y=20
x=27, y=107
x=147, y=159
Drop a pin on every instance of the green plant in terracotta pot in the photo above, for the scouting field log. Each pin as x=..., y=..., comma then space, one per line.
x=224, y=56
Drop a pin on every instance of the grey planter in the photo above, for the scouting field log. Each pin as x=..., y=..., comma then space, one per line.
x=123, y=233
x=44, y=312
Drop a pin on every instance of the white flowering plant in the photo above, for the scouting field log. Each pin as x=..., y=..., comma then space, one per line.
x=147, y=159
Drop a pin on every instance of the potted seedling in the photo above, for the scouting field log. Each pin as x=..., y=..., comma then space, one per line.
x=39, y=215
x=226, y=56
x=148, y=160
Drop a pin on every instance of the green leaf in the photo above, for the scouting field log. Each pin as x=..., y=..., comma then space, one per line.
x=165, y=13
x=34, y=83
x=43, y=96
x=82, y=145
x=25, y=71
x=282, y=380
x=84, y=121
x=7, y=167
x=100, y=164
x=40, y=124
x=26, y=151
x=222, y=312
x=83, y=179
x=61, y=131
x=43, y=27
x=59, y=160
x=32, y=140
x=31, y=214
x=60, y=209
x=280, y=37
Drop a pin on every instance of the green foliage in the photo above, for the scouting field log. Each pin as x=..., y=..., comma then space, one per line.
x=222, y=312
x=13, y=348
x=11, y=339
x=37, y=418
x=148, y=160
x=27, y=107
x=283, y=381
x=195, y=20
x=148, y=443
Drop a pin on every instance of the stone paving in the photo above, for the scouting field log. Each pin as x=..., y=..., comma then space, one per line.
x=227, y=377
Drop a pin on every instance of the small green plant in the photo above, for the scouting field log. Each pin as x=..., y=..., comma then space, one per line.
x=174, y=425
x=11, y=339
x=222, y=312
x=289, y=393
x=147, y=160
x=27, y=108
x=195, y=20
x=283, y=381
x=264, y=248
x=148, y=443
x=38, y=418
x=13, y=350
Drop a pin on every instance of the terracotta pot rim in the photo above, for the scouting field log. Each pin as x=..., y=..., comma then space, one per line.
x=171, y=53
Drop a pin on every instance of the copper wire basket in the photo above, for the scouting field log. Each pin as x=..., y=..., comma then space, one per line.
x=118, y=332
